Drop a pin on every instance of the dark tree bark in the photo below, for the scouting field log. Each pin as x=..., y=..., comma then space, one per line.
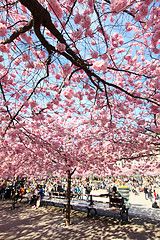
x=68, y=211
x=14, y=195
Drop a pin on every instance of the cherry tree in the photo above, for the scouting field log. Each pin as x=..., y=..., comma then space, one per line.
x=50, y=145
x=93, y=61
x=63, y=145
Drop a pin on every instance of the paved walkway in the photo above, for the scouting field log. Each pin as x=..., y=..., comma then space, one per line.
x=142, y=207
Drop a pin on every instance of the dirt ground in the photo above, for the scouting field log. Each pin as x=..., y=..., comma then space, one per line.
x=24, y=222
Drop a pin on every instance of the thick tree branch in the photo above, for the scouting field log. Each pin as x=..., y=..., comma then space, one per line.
x=123, y=90
x=16, y=34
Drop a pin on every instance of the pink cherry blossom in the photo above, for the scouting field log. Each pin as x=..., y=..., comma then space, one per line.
x=28, y=39
x=143, y=10
x=53, y=5
x=60, y=47
x=118, y=5
x=39, y=65
x=68, y=92
x=66, y=69
x=57, y=76
x=25, y=57
x=3, y=30
x=85, y=21
x=120, y=50
x=100, y=65
x=148, y=2
x=94, y=54
x=5, y=48
x=93, y=43
x=111, y=19
x=32, y=103
x=155, y=38
x=76, y=34
x=77, y=18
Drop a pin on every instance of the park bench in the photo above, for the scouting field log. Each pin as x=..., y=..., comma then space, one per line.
x=54, y=201
x=109, y=202
x=106, y=202
x=61, y=201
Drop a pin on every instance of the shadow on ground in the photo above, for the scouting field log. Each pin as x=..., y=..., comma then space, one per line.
x=49, y=224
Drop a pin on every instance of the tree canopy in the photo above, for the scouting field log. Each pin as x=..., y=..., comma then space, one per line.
x=79, y=75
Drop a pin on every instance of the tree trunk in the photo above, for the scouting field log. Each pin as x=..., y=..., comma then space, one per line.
x=68, y=210
x=14, y=195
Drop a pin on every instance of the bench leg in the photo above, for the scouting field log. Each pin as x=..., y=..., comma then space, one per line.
x=89, y=210
x=95, y=211
x=64, y=208
x=45, y=204
x=124, y=215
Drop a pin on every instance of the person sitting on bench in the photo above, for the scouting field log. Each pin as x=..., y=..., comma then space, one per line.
x=115, y=198
x=115, y=192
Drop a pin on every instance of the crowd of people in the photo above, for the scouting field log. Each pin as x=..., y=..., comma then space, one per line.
x=80, y=188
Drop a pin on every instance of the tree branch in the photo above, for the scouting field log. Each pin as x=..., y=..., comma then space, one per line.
x=14, y=117
x=16, y=34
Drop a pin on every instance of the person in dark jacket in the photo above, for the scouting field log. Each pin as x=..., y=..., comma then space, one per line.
x=41, y=193
x=146, y=192
x=88, y=190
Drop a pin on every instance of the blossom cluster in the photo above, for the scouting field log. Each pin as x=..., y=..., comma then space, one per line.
x=54, y=6
x=66, y=69
x=3, y=30
x=83, y=19
x=68, y=92
x=118, y=5
x=60, y=47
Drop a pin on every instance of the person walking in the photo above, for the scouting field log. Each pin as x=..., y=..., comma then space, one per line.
x=146, y=192
x=154, y=194
x=34, y=197
x=150, y=193
x=88, y=190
